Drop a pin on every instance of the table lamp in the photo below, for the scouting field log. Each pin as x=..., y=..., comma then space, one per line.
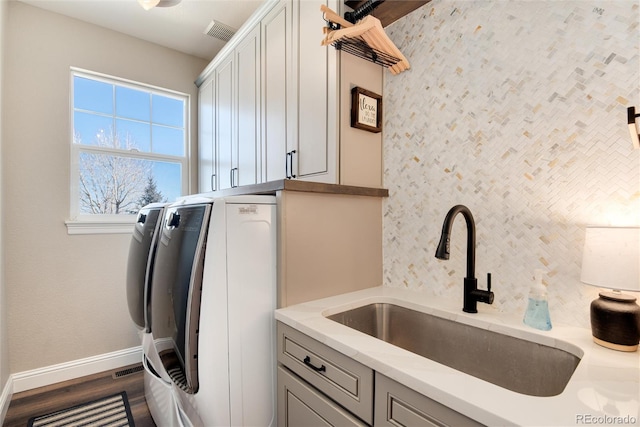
x=611, y=259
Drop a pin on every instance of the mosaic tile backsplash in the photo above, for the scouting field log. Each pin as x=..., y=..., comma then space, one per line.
x=516, y=109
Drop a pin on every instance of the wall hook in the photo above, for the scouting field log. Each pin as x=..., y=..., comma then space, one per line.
x=633, y=128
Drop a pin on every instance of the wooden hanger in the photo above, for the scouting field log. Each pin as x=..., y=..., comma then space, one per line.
x=370, y=30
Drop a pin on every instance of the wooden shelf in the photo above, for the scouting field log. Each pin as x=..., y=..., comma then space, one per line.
x=391, y=10
x=273, y=187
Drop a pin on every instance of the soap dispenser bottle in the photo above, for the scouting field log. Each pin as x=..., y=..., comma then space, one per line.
x=537, y=314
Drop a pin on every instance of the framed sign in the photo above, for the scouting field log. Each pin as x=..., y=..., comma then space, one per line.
x=366, y=110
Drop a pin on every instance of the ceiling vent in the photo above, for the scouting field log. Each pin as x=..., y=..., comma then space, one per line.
x=220, y=31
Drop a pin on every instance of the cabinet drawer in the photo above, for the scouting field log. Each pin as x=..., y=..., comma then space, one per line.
x=300, y=405
x=344, y=380
x=397, y=405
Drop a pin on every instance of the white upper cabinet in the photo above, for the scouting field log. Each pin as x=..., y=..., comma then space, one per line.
x=229, y=119
x=277, y=82
x=316, y=133
x=299, y=94
x=206, y=142
x=224, y=121
x=246, y=153
x=277, y=104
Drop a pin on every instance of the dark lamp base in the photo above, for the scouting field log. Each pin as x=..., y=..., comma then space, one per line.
x=615, y=321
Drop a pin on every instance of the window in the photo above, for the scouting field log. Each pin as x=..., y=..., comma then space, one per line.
x=128, y=148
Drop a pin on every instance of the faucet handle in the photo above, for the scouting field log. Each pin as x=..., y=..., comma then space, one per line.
x=482, y=295
x=488, y=295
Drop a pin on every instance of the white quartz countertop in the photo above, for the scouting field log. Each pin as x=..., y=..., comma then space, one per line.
x=604, y=389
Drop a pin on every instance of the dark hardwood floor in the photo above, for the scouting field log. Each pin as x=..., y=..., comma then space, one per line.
x=59, y=396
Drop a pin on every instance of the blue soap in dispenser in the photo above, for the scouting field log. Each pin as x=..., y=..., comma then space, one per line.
x=537, y=314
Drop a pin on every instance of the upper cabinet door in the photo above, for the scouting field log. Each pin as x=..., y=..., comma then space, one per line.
x=247, y=152
x=316, y=130
x=277, y=84
x=224, y=122
x=206, y=142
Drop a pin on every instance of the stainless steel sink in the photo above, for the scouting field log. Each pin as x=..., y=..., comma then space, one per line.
x=516, y=364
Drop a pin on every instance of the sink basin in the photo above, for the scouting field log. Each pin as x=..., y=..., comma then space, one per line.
x=515, y=364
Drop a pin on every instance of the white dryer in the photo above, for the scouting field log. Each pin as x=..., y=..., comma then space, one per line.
x=212, y=307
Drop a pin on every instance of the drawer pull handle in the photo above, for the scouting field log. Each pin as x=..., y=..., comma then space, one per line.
x=307, y=361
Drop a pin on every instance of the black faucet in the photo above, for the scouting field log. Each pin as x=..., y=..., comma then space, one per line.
x=471, y=292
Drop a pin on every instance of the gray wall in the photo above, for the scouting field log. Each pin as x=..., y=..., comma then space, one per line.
x=516, y=109
x=65, y=294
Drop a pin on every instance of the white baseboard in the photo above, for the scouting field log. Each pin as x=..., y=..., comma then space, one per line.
x=35, y=378
x=5, y=398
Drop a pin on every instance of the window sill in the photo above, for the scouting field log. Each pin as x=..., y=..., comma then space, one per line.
x=99, y=226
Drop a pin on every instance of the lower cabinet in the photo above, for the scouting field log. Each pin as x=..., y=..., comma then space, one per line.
x=332, y=374
x=318, y=386
x=300, y=405
x=397, y=405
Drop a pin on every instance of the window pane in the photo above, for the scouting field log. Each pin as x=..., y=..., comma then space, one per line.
x=90, y=128
x=133, y=104
x=168, y=141
x=111, y=184
x=137, y=133
x=131, y=145
x=168, y=111
x=92, y=95
x=168, y=178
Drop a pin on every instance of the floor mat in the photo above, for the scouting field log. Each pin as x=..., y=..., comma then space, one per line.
x=112, y=411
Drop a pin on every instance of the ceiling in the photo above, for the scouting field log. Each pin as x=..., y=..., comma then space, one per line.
x=179, y=27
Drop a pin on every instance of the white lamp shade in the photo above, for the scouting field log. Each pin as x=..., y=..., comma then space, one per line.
x=611, y=258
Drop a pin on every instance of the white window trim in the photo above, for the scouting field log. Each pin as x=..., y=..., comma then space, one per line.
x=79, y=224
x=101, y=226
